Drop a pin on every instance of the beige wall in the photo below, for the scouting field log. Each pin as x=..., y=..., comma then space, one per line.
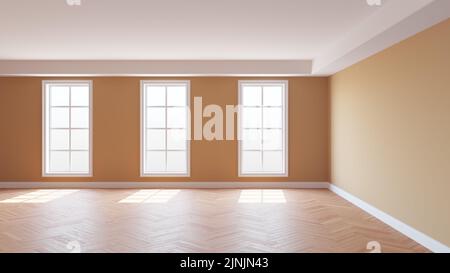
x=390, y=131
x=116, y=131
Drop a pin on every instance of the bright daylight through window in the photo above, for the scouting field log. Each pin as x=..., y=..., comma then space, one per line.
x=165, y=128
x=67, y=128
x=263, y=128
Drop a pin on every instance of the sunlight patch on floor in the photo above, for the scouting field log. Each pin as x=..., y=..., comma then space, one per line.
x=262, y=196
x=39, y=196
x=150, y=196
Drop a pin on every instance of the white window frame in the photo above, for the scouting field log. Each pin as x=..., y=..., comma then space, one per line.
x=45, y=148
x=143, y=127
x=285, y=128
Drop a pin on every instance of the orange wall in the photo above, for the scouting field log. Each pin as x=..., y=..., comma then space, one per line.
x=116, y=130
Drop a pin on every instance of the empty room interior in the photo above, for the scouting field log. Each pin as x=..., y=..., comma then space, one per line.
x=238, y=126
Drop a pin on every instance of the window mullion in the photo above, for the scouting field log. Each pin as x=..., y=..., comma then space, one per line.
x=259, y=95
x=262, y=128
x=158, y=94
x=165, y=125
x=48, y=101
x=70, y=129
x=57, y=138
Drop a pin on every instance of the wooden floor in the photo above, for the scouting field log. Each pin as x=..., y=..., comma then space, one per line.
x=189, y=221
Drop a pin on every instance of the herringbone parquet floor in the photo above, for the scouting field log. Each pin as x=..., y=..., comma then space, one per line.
x=189, y=221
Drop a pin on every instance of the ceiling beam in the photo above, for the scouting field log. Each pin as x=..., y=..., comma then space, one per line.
x=156, y=68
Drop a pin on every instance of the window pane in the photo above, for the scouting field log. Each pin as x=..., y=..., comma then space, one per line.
x=155, y=161
x=156, y=118
x=273, y=117
x=176, y=96
x=156, y=96
x=79, y=162
x=59, y=96
x=273, y=162
x=67, y=106
x=59, y=118
x=79, y=139
x=273, y=96
x=176, y=139
x=176, y=162
x=251, y=139
x=251, y=162
x=263, y=125
x=59, y=139
x=251, y=117
x=156, y=139
x=273, y=139
x=176, y=117
x=79, y=117
x=79, y=96
x=251, y=96
x=59, y=162
x=166, y=121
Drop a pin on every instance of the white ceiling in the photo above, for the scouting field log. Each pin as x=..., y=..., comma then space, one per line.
x=175, y=29
x=196, y=30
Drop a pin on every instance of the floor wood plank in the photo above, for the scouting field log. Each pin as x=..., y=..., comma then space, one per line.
x=190, y=221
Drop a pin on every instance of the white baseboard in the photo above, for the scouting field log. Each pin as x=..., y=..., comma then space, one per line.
x=164, y=185
x=407, y=230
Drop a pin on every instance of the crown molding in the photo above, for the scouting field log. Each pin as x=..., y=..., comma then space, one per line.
x=395, y=21
x=156, y=68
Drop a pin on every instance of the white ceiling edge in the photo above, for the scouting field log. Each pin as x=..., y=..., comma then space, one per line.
x=396, y=21
x=156, y=68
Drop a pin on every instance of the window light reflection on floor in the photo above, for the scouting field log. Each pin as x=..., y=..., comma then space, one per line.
x=39, y=196
x=262, y=196
x=150, y=196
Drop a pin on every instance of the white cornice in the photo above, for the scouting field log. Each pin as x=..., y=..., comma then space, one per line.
x=396, y=21
x=156, y=68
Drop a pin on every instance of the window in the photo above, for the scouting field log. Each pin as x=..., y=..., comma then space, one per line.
x=263, y=128
x=67, y=120
x=165, y=123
